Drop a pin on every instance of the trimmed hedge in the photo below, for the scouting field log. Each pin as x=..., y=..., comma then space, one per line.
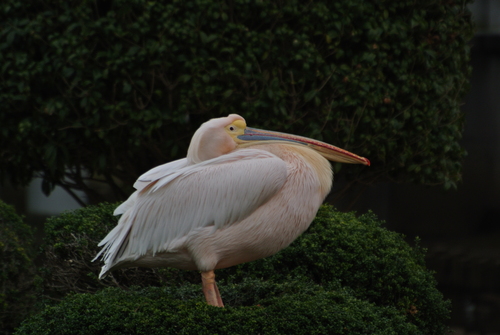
x=159, y=311
x=356, y=252
x=112, y=88
x=16, y=269
x=345, y=270
x=71, y=243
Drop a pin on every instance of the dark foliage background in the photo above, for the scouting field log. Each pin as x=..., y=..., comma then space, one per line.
x=17, y=271
x=104, y=90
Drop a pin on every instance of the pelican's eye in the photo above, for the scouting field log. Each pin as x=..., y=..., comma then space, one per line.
x=236, y=127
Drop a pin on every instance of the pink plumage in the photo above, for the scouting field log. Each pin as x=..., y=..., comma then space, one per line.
x=240, y=194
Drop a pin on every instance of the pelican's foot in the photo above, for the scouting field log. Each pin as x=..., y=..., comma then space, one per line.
x=210, y=289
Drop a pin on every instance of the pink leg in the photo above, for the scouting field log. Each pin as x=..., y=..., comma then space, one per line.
x=210, y=289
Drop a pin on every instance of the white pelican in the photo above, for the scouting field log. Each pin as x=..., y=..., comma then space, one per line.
x=240, y=194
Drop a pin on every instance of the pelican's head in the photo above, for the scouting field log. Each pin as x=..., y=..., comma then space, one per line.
x=220, y=136
x=215, y=137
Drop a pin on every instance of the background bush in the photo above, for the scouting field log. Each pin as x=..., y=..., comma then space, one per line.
x=108, y=89
x=16, y=269
x=345, y=274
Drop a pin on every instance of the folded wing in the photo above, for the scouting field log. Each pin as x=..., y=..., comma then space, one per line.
x=217, y=192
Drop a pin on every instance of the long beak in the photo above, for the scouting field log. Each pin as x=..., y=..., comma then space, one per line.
x=328, y=151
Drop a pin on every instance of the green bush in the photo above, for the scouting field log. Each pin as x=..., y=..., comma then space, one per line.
x=16, y=269
x=69, y=246
x=159, y=311
x=357, y=253
x=113, y=88
x=348, y=271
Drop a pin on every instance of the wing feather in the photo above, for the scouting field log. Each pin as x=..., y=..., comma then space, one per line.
x=159, y=172
x=146, y=179
x=216, y=192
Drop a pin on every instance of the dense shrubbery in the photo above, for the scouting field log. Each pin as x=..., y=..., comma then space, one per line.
x=113, y=88
x=345, y=275
x=160, y=311
x=71, y=243
x=16, y=269
x=356, y=252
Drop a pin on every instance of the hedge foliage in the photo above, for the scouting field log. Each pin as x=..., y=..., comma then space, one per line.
x=345, y=275
x=16, y=269
x=155, y=311
x=113, y=88
x=71, y=243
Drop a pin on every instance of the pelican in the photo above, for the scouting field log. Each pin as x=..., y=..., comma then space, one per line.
x=241, y=194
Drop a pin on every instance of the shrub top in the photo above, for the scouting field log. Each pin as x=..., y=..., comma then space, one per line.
x=351, y=263
x=156, y=311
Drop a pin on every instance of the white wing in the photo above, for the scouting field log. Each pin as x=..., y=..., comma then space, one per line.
x=217, y=192
x=147, y=178
x=159, y=172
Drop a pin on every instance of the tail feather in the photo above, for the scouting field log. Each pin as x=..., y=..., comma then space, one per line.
x=113, y=245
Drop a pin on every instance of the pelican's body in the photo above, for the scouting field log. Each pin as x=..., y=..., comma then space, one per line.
x=241, y=194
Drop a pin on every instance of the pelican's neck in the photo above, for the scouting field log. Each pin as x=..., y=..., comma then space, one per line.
x=319, y=164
